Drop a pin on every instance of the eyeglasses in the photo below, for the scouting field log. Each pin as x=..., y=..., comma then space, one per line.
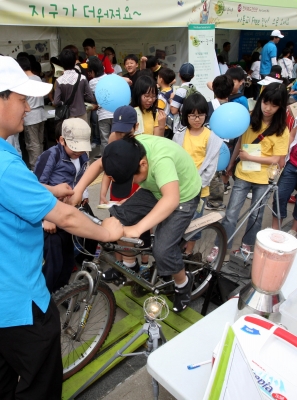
x=195, y=116
x=148, y=97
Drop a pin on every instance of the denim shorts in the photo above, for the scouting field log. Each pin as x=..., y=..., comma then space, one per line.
x=169, y=232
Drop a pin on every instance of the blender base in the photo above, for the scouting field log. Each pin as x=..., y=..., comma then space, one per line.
x=253, y=301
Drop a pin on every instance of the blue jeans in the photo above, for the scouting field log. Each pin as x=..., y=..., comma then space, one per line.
x=95, y=127
x=237, y=199
x=286, y=185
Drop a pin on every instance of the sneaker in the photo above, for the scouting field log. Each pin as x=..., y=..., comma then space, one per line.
x=293, y=233
x=292, y=200
x=244, y=248
x=249, y=196
x=145, y=272
x=213, y=254
x=114, y=276
x=93, y=145
x=226, y=191
x=216, y=206
x=183, y=295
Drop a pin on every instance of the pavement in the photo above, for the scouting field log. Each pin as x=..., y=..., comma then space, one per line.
x=129, y=380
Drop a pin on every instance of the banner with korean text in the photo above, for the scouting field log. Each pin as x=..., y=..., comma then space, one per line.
x=241, y=15
x=91, y=13
x=202, y=56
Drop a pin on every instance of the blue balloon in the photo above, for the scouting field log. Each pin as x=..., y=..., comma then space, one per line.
x=112, y=91
x=230, y=120
x=224, y=157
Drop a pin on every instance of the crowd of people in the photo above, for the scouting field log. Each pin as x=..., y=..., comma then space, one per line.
x=159, y=158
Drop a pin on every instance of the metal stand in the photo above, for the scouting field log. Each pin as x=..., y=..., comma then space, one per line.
x=154, y=332
x=272, y=187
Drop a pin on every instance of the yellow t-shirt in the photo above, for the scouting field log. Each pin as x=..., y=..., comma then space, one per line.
x=196, y=147
x=148, y=122
x=270, y=146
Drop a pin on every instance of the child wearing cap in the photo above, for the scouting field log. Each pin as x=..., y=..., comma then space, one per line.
x=65, y=162
x=124, y=124
x=186, y=74
x=167, y=198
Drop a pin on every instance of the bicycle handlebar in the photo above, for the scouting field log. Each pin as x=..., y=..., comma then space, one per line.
x=98, y=221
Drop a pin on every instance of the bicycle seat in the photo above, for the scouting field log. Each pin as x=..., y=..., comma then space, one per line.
x=199, y=223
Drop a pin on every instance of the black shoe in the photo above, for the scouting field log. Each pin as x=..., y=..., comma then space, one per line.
x=66, y=303
x=215, y=206
x=114, y=276
x=183, y=295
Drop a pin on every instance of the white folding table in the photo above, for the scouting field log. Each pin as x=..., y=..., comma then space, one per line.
x=168, y=364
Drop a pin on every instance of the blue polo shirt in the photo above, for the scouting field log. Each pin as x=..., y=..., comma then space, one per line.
x=241, y=100
x=23, y=204
x=269, y=51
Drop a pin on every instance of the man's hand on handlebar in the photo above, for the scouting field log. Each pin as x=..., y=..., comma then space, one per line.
x=61, y=191
x=75, y=199
x=114, y=227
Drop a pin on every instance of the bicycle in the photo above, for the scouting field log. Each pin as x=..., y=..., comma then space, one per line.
x=84, y=331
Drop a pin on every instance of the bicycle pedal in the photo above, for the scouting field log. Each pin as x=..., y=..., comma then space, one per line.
x=120, y=281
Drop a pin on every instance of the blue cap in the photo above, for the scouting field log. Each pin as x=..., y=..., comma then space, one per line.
x=124, y=118
x=187, y=69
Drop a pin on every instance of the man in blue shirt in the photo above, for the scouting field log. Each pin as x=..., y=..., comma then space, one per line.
x=269, y=53
x=30, y=351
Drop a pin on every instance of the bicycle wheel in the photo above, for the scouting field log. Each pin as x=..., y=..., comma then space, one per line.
x=76, y=354
x=202, y=249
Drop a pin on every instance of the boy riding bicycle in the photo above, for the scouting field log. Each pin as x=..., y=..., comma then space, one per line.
x=169, y=195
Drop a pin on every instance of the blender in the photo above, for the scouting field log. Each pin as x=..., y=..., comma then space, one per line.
x=274, y=254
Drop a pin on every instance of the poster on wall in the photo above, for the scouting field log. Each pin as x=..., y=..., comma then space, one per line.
x=168, y=54
x=122, y=50
x=10, y=48
x=201, y=42
x=38, y=48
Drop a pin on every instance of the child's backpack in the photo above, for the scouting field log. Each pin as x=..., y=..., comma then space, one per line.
x=190, y=89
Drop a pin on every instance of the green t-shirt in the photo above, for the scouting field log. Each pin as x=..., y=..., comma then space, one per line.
x=169, y=162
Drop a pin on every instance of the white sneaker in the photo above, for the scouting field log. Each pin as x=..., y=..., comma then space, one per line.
x=249, y=196
x=93, y=145
x=213, y=254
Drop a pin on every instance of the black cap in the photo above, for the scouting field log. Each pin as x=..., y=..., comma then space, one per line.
x=120, y=161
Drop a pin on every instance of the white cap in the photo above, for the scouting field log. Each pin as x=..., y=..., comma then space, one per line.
x=267, y=80
x=77, y=134
x=277, y=33
x=13, y=78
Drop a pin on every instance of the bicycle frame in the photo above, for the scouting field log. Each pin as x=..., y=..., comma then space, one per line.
x=195, y=226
